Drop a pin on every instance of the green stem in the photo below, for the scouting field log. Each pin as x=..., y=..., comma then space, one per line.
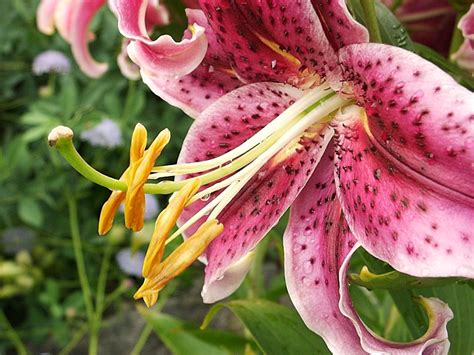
x=129, y=100
x=371, y=20
x=109, y=299
x=144, y=335
x=256, y=278
x=80, y=264
x=100, y=295
x=148, y=328
x=12, y=335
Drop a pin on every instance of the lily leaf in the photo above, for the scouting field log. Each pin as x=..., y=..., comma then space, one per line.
x=182, y=338
x=276, y=328
x=391, y=30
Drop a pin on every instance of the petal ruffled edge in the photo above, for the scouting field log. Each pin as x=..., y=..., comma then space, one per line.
x=163, y=56
x=434, y=341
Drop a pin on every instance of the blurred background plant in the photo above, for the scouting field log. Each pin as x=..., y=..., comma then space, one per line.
x=64, y=289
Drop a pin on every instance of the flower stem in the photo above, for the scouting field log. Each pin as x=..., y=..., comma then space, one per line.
x=371, y=20
x=144, y=335
x=12, y=334
x=256, y=279
x=100, y=295
x=81, y=267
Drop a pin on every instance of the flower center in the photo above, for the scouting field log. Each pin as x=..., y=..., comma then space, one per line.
x=227, y=174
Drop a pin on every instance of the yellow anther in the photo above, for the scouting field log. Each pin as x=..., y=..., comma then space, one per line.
x=138, y=144
x=150, y=299
x=138, y=175
x=181, y=258
x=165, y=222
x=110, y=207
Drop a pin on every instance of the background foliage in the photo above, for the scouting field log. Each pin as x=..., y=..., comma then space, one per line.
x=41, y=298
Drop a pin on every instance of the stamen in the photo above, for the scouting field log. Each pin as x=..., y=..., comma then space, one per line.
x=138, y=175
x=303, y=105
x=318, y=115
x=237, y=181
x=180, y=259
x=165, y=222
x=110, y=207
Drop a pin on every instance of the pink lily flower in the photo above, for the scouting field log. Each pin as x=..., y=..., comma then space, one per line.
x=464, y=56
x=72, y=18
x=430, y=22
x=369, y=144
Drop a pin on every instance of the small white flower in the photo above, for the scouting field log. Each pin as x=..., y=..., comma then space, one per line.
x=51, y=62
x=16, y=239
x=106, y=134
x=129, y=263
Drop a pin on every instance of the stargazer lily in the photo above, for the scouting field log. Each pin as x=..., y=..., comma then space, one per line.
x=369, y=144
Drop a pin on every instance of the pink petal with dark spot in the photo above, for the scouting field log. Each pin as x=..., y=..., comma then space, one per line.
x=434, y=341
x=83, y=13
x=223, y=126
x=45, y=16
x=163, y=55
x=194, y=92
x=416, y=111
x=296, y=28
x=239, y=37
x=399, y=216
x=317, y=241
x=341, y=28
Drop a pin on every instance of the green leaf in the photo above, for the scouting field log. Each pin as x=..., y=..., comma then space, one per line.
x=184, y=339
x=30, y=212
x=68, y=96
x=276, y=328
x=391, y=29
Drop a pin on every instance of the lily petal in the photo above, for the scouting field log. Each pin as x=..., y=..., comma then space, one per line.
x=341, y=28
x=260, y=204
x=63, y=18
x=225, y=286
x=434, y=341
x=162, y=55
x=416, y=112
x=252, y=53
x=466, y=25
x=297, y=30
x=318, y=246
x=397, y=215
x=45, y=16
x=317, y=241
x=83, y=13
x=194, y=92
x=464, y=56
x=128, y=69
